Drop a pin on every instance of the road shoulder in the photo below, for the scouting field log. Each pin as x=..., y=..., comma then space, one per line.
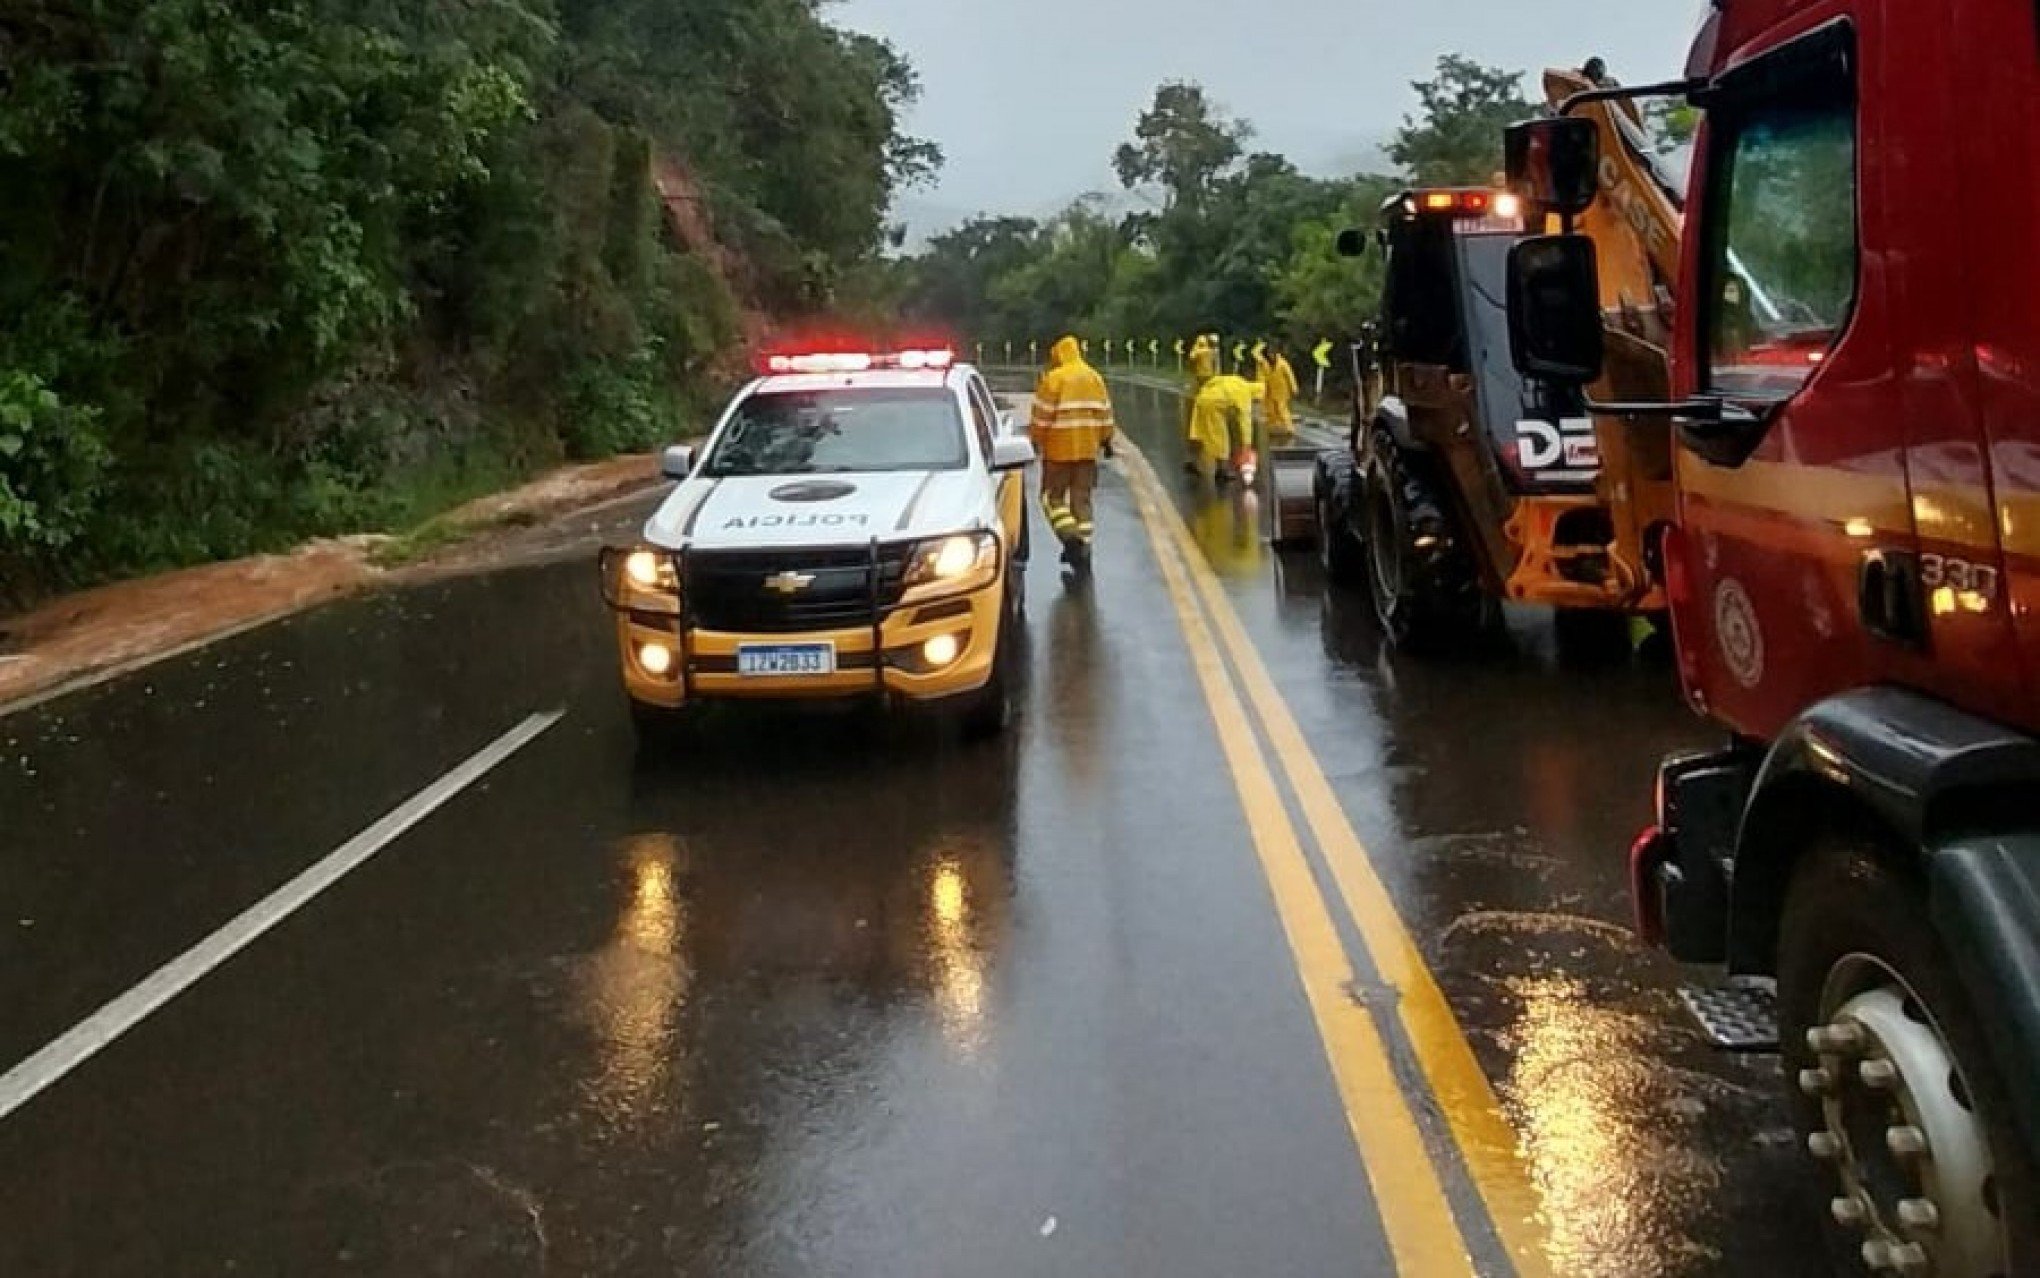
x=79, y=640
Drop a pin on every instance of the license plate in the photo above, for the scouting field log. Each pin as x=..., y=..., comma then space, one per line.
x=779, y=660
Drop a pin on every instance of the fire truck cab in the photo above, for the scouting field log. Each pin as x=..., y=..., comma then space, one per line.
x=1853, y=577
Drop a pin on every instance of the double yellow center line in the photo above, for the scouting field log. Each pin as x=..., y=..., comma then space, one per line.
x=1403, y=1170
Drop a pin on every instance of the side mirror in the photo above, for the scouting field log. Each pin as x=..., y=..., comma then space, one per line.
x=1352, y=242
x=1555, y=162
x=1012, y=452
x=677, y=462
x=1555, y=309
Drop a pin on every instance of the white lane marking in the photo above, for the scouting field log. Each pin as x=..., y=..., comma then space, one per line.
x=84, y=1040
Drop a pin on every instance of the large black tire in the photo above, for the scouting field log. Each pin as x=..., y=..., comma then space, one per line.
x=1338, y=549
x=1591, y=636
x=1429, y=597
x=1856, y=949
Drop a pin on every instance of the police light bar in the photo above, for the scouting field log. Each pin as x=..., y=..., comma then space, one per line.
x=857, y=361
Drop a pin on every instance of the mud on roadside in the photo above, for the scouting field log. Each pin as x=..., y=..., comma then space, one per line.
x=78, y=639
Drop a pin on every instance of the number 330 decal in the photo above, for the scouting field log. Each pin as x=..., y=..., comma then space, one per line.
x=1958, y=575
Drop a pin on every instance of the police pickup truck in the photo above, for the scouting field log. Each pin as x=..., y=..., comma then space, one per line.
x=855, y=526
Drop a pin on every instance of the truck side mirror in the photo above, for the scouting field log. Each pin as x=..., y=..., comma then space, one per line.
x=1555, y=162
x=677, y=462
x=1555, y=309
x=1012, y=452
x=1352, y=242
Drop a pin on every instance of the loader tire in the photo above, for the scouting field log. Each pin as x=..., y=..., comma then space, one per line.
x=1338, y=550
x=1425, y=589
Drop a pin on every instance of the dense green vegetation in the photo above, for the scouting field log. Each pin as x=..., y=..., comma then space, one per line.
x=308, y=266
x=1229, y=240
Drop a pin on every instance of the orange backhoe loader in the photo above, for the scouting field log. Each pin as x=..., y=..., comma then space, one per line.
x=1635, y=226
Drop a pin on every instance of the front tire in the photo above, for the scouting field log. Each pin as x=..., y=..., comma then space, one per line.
x=1895, y=1090
x=1426, y=593
x=1338, y=550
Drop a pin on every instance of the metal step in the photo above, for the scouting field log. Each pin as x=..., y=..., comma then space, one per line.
x=1735, y=1018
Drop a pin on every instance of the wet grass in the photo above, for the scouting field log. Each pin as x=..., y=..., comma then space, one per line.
x=442, y=533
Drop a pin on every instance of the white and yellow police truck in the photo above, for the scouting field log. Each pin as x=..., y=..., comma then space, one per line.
x=855, y=526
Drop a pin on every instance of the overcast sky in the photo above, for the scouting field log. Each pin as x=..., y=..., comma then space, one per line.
x=1029, y=99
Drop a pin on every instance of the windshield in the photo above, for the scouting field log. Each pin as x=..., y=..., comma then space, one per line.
x=1504, y=403
x=843, y=431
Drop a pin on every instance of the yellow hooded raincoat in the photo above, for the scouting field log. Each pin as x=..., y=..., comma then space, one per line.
x=1072, y=411
x=1223, y=407
x=1282, y=389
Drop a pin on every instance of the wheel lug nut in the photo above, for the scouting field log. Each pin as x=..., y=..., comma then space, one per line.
x=1906, y=1141
x=1849, y=1213
x=1910, y=1259
x=1919, y=1215
x=1879, y=1075
x=1877, y=1255
x=1844, y=1038
x=1818, y=1081
x=1826, y=1146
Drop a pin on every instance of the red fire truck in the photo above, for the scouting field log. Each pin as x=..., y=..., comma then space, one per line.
x=1854, y=579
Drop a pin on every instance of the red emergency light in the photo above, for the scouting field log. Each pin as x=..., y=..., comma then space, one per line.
x=784, y=362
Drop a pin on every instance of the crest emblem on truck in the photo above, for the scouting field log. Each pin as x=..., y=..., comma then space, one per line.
x=789, y=583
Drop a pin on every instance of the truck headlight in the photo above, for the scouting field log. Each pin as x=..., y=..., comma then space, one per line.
x=648, y=570
x=950, y=565
x=642, y=578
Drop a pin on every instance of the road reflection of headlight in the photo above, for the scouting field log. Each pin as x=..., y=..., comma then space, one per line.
x=955, y=954
x=1594, y=1113
x=637, y=984
x=947, y=896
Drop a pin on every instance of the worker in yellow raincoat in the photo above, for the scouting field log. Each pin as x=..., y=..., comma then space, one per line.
x=1203, y=367
x=1280, y=379
x=1072, y=425
x=1222, y=427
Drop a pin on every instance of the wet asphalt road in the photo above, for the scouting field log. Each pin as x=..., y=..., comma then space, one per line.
x=825, y=994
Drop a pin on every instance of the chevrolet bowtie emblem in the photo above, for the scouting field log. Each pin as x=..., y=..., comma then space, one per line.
x=790, y=583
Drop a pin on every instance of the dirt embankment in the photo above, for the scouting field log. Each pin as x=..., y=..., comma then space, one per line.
x=75, y=639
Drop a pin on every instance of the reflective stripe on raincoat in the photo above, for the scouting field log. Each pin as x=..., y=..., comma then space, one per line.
x=1072, y=412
